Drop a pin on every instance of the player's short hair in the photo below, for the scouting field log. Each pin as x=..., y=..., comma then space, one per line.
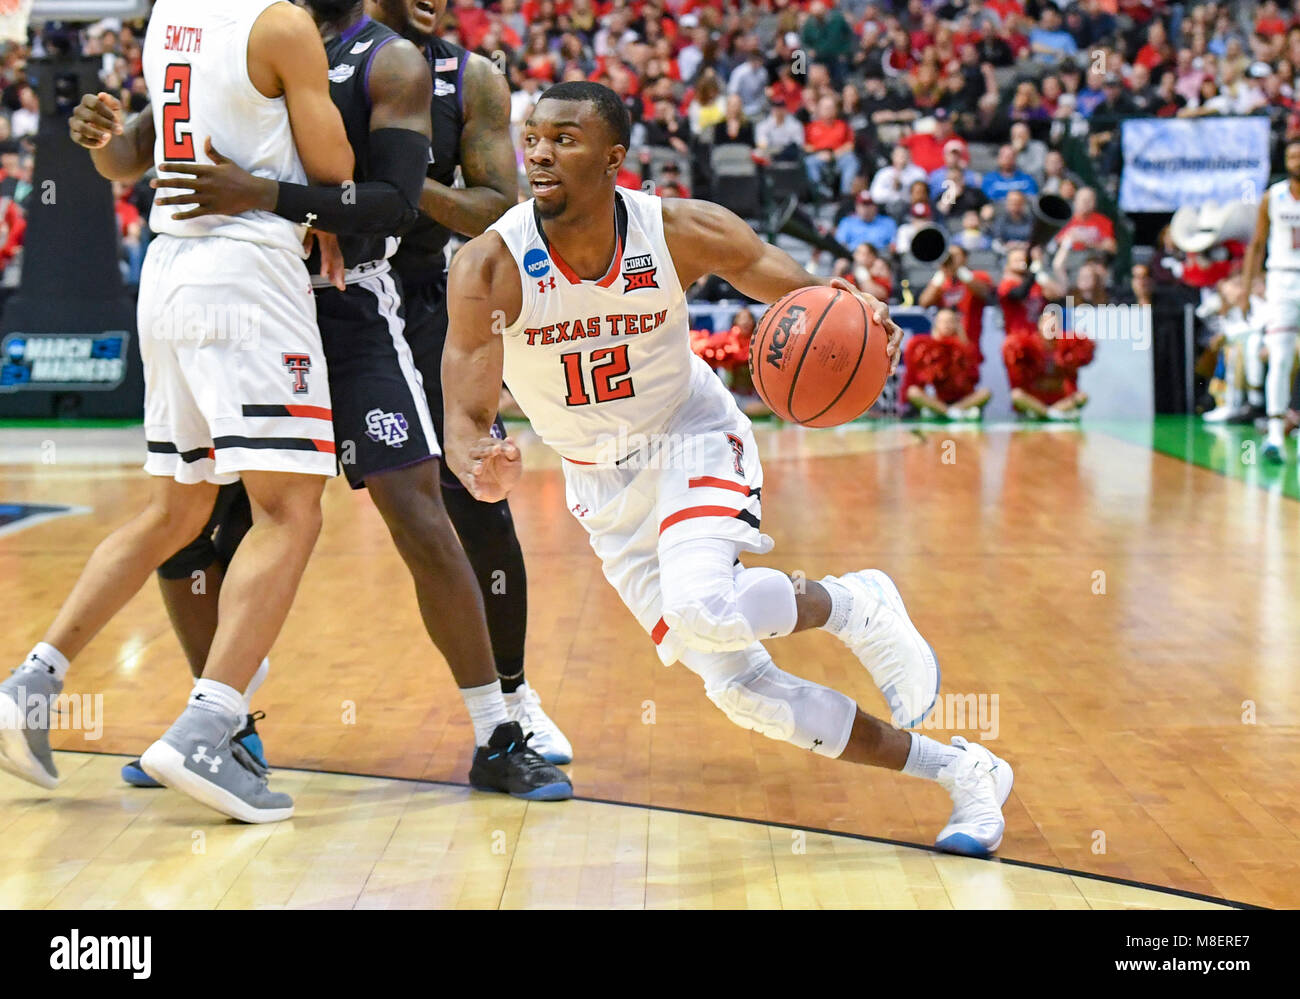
x=1290, y=143
x=607, y=104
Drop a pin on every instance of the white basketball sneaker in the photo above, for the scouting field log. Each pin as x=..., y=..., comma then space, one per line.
x=525, y=707
x=882, y=636
x=979, y=783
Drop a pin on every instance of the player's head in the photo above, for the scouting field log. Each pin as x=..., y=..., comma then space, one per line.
x=1292, y=159
x=325, y=11
x=416, y=19
x=574, y=144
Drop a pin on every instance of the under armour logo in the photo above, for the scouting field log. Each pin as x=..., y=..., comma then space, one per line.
x=214, y=762
x=816, y=743
x=580, y=510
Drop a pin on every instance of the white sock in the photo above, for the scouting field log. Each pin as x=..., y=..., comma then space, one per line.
x=258, y=679
x=841, y=606
x=767, y=599
x=1255, y=396
x=1276, y=430
x=212, y=695
x=487, y=709
x=47, y=657
x=927, y=757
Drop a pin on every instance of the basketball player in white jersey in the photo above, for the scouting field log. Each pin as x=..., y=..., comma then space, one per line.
x=1277, y=228
x=250, y=402
x=576, y=297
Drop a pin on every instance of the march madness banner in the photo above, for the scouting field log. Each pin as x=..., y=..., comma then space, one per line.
x=1172, y=162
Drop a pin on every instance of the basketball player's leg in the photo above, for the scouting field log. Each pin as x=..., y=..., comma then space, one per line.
x=265, y=401
x=386, y=434
x=709, y=511
x=1282, y=325
x=487, y=533
x=620, y=516
x=180, y=501
x=190, y=585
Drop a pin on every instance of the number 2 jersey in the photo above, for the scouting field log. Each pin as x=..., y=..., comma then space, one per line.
x=595, y=363
x=196, y=68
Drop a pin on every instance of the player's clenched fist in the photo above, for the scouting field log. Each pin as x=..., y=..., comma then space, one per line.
x=96, y=120
x=494, y=469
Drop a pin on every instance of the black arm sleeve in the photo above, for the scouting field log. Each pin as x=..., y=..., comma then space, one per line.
x=387, y=205
x=1021, y=291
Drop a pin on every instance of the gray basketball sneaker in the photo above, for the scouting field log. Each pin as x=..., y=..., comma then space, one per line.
x=26, y=703
x=197, y=755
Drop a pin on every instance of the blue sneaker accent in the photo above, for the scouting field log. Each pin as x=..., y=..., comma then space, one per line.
x=963, y=844
x=134, y=775
x=253, y=743
x=1273, y=454
x=559, y=791
x=560, y=759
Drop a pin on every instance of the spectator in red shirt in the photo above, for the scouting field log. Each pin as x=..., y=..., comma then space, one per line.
x=927, y=148
x=1088, y=228
x=956, y=286
x=786, y=90
x=941, y=371
x=828, y=144
x=1157, y=51
x=1025, y=288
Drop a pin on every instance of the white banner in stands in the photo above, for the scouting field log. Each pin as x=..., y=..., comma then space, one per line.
x=1172, y=162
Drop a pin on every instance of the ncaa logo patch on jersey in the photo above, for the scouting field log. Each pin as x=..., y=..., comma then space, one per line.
x=387, y=428
x=537, y=263
x=639, y=272
x=341, y=74
x=441, y=88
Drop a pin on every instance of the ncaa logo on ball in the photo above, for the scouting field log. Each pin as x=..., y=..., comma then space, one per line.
x=536, y=263
x=791, y=323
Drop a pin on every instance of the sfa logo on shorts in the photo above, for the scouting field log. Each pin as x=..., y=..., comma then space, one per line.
x=387, y=428
x=78, y=361
x=537, y=263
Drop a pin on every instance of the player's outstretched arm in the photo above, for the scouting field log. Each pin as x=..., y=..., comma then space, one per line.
x=121, y=150
x=484, y=297
x=285, y=54
x=386, y=205
x=705, y=238
x=487, y=157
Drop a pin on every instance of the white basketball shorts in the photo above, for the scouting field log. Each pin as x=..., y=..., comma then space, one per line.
x=235, y=375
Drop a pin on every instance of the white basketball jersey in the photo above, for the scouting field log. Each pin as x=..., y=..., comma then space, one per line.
x=1283, y=229
x=594, y=363
x=196, y=69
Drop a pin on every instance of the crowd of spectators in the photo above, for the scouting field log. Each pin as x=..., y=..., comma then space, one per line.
x=881, y=118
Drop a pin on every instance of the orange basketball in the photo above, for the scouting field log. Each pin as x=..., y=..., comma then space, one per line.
x=819, y=358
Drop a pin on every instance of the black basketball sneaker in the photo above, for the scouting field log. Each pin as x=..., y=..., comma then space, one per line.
x=508, y=765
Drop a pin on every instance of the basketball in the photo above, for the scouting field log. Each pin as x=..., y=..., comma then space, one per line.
x=818, y=358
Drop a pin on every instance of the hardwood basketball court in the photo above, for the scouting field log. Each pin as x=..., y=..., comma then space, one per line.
x=1117, y=622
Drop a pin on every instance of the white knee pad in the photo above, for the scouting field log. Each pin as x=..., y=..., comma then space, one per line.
x=755, y=694
x=699, y=596
x=1277, y=384
x=767, y=599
